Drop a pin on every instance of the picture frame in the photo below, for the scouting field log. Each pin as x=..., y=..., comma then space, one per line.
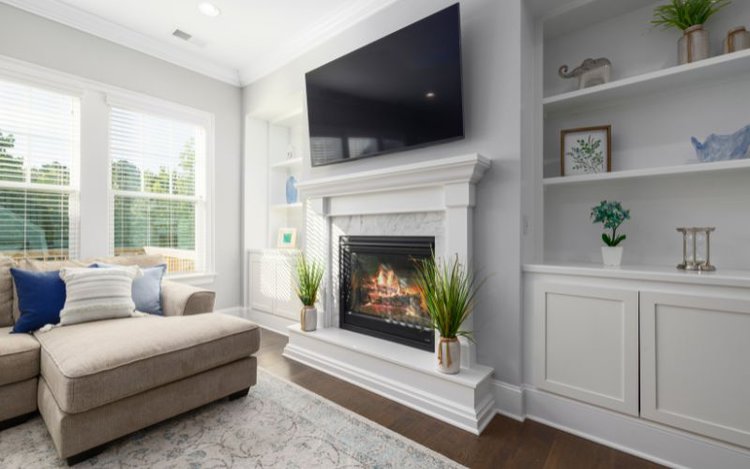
x=287, y=238
x=586, y=150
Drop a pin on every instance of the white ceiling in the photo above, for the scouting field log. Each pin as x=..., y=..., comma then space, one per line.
x=250, y=38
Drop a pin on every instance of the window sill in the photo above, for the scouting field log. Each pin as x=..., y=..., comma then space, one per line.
x=199, y=279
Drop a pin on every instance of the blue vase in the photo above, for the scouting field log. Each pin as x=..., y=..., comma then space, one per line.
x=291, y=190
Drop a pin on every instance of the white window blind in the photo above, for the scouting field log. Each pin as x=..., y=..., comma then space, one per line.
x=158, y=186
x=39, y=148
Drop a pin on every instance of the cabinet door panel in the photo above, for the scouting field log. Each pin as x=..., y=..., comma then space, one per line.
x=589, y=345
x=287, y=304
x=262, y=283
x=695, y=364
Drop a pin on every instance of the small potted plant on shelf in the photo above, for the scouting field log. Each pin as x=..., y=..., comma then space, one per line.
x=309, y=278
x=449, y=291
x=611, y=215
x=689, y=16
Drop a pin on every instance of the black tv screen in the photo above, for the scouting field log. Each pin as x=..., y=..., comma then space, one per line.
x=403, y=91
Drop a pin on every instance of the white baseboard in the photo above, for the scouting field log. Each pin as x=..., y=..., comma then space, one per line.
x=508, y=400
x=654, y=442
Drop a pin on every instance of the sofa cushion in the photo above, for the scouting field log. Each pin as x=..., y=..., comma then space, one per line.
x=41, y=266
x=96, y=294
x=92, y=364
x=6, y=292
x=19, y=357
x=41, y=296
x=146, y=289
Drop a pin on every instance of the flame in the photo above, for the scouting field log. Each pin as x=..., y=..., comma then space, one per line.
x=388, y=293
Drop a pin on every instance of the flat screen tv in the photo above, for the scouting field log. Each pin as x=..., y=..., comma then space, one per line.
x=400, y=92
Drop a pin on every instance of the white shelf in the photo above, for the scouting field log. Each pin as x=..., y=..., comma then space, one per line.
x=698, y=73
x=288, y=164
x=650, y=172
x=727, y=278
x=290, y=119
x=296, y=206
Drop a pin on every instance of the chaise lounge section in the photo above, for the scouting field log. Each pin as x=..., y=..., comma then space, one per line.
x=98, y=381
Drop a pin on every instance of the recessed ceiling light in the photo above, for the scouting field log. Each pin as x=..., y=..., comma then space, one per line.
x=430, y=95
x=209, y=9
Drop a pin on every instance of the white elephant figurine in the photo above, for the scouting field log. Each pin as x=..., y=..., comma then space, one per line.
x=591, y=72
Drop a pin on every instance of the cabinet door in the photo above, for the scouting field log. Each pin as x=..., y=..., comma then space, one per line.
x=586, y=343
x=695, y=364
x=262, y=283
x=286, y=303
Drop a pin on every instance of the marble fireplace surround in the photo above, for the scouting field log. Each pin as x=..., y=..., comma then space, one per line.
x=433, y=198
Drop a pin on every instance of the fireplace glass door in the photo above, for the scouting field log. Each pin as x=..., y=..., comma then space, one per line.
x=379, y=294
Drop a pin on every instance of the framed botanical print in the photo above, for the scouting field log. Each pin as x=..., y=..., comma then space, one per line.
x=586, y=151
x=287, y=238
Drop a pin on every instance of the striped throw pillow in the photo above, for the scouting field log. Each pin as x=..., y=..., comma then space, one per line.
x=96, y=294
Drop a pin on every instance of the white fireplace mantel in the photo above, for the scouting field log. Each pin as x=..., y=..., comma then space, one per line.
x=446, y=186
x=458, y=170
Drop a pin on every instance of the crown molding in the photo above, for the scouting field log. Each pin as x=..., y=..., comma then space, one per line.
x=87, y=22
x=339, y=21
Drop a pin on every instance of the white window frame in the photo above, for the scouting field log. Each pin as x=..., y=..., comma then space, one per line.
x=95, y=99
x=204, y=233
x=73, y=189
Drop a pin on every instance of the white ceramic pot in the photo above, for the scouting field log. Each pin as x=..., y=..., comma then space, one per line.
x=308, y=318
x=448, y=354
x=612, y=257
x=694, y=45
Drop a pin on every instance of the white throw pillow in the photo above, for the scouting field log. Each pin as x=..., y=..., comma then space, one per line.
x=96, y=294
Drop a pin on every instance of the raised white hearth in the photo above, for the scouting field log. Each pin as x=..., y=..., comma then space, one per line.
x=434, y=198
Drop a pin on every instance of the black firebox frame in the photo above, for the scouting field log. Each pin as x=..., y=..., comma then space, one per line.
x=416, y=247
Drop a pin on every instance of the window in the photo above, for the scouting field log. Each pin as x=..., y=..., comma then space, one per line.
x=158, y=172
x=39, y=147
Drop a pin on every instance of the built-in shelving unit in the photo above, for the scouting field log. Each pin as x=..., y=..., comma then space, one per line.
x=654, y=107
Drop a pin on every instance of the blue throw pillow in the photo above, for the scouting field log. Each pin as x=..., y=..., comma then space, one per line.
x=146, y=289
x=41, y=297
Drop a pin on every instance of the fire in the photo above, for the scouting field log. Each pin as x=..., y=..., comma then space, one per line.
x=385, y=293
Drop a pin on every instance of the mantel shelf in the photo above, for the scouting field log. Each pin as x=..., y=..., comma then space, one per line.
x=698, y=73
x=650, y=172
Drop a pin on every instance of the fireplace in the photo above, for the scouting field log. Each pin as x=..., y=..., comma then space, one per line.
x=379, y=295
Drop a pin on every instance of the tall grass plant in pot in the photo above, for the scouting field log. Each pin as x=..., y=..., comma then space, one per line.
x=309, y=277
x=449, y=291
x=689, y=16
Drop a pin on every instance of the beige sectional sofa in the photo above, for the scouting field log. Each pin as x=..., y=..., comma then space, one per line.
x=97, y=381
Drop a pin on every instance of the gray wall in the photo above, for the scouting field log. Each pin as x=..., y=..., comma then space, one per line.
x=492, y=85
x=36, y=40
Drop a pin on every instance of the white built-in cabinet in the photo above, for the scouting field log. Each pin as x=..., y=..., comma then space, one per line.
x=695, y=363
x=588, y=341
x=271, y=283
x=668, y=347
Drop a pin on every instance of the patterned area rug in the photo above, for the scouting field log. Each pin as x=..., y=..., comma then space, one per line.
x=278, y=425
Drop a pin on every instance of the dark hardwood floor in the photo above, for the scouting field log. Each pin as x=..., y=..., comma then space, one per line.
x=505, y=443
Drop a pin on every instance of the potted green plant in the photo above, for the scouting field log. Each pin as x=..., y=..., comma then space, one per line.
x=689, y=16
x=449, y=291
x=309, y=277
x=612, y=216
